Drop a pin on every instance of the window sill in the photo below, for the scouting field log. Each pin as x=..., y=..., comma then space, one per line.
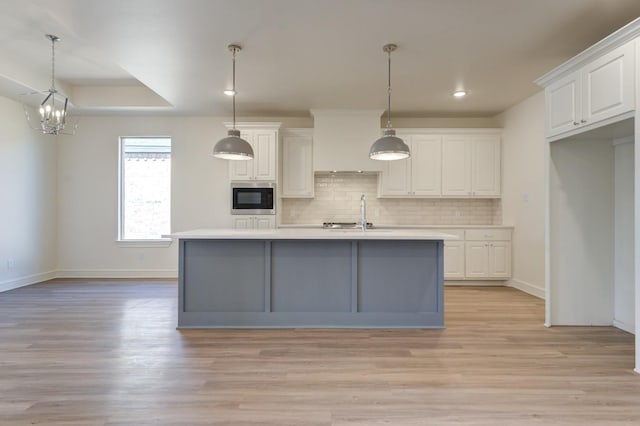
x=162, y=242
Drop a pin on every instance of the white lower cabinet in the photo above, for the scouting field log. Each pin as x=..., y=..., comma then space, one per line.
x=254, y=222
x=488, y=253
x=454, y=255
x=453, y=260
x=477, y=254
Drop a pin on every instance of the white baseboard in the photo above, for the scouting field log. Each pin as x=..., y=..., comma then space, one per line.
x=476, y=283
x=526, y=287
x=28, y=280
x=629, y=328
x=117, y=273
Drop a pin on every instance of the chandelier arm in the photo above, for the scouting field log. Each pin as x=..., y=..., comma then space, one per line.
x=47, y=98
x=64, y=113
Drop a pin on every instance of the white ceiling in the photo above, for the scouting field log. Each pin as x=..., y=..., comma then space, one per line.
x=170, y=56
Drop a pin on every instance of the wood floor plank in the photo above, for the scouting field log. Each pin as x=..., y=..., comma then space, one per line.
x=106, y=353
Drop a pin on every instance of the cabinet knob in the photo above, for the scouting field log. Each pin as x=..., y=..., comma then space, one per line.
x=583, y=121
x=575, y=123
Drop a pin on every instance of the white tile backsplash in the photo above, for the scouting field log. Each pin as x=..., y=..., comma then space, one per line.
x=337, y=199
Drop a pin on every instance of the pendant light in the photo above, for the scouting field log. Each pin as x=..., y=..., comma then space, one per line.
x=389, y=146
x=233, y=147
x=52, y=111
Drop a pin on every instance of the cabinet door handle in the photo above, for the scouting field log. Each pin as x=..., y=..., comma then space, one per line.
x=583, y=121
x=575, y=123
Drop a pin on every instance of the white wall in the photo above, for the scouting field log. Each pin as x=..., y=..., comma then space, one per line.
x=624, y=268
x=27, y=200
x=523, y=190
x=88, y=193
x=581, y=198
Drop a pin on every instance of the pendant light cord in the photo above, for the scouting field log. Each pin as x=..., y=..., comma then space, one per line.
x=389, y=92
x=233, y=84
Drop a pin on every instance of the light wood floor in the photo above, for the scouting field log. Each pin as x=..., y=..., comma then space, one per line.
x=107, y=353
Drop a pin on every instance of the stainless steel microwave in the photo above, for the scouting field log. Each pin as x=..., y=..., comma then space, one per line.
x=253, y=198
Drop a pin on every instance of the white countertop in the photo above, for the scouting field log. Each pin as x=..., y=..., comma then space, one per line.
x=313, y=234
x=400, y=227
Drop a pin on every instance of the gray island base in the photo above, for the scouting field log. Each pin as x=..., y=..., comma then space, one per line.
x=266, y=280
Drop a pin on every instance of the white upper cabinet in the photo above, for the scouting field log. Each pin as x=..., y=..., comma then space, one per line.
x=591, y=90
x=563, y=104
x=263, y=138
x=485, y=165
x=418, y=175
x=445, y=163
x=297, y=164
x=471, y=166
x=456, y=165
x=608, y=85
x=426, y=153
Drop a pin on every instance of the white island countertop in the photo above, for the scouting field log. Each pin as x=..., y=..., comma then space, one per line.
x=313, y=234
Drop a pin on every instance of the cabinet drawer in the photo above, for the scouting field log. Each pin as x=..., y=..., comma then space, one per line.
x=488, y=234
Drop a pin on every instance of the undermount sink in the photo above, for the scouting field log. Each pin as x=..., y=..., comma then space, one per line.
x=344, y=225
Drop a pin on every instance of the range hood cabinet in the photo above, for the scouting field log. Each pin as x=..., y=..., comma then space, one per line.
x=342, y=138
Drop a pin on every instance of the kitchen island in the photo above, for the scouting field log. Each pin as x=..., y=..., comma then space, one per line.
x=378, y=278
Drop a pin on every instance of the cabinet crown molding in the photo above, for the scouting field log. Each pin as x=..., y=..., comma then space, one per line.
x=612, y=41
x=263, y=125
x=449, y=131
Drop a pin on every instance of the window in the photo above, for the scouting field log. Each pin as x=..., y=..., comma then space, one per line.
x=145, y=188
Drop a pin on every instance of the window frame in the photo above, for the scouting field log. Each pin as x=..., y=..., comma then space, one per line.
x=129, y=242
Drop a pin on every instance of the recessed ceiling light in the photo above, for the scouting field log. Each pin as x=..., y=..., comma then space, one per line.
x=459, y=93
x=229, y=92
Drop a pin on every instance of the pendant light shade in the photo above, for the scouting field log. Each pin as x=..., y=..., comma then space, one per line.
x=389, y=146
x=233, y=147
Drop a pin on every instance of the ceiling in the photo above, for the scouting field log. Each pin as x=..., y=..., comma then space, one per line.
x=171, y=57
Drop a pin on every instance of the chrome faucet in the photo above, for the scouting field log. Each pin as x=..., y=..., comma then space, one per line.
x=363, y=212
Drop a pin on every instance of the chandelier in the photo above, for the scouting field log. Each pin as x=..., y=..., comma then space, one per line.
x=52, y=112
